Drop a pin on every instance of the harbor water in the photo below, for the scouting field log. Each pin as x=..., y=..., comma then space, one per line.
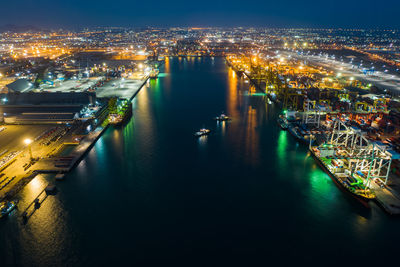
x=151, y=194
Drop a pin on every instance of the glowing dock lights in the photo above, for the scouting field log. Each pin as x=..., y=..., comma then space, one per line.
x=28, y=143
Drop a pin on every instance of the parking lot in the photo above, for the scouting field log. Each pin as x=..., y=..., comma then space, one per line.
x=73, y=85
x=13, y=136
x=123, y=88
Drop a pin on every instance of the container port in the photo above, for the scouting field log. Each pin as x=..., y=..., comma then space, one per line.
x=351, y=132
x=166, y=146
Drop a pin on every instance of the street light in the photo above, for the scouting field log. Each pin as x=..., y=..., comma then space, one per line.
x=28, y=142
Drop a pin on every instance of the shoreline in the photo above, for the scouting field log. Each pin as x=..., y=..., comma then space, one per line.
x=78, y=154
x=384, y=198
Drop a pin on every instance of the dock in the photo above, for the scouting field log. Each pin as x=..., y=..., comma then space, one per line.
x=66, y=164
x=256, y=85
x=386, y=199
x=51, y=161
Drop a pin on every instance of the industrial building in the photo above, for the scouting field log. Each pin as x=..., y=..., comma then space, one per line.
x=45, y=107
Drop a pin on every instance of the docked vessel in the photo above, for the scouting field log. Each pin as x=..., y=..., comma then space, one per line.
x=300, y=134
x=6, y=207
x=122, y=115
x=202, y=132
x=222, y=117
x=335, y=166
x=283, y=122
x=154, y=73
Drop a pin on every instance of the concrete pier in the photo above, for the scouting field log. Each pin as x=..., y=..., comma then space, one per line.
x=386, y=199
x=48, y=159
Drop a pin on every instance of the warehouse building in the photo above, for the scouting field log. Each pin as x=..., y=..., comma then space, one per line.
x=45, y=107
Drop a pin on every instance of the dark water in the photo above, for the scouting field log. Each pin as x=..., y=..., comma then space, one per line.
x=152, y=194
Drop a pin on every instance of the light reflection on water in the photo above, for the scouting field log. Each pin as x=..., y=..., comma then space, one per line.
x=232, y=94
x=282, y=149
x=202, y=141
x=221, y=125
x=251, y=137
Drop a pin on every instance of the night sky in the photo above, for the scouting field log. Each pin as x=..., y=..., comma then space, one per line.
x=265, y=13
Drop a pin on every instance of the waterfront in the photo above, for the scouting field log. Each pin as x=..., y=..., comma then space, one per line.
x=150, y=193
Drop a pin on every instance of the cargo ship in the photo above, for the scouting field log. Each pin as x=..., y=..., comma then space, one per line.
x=283, y=122
x=123, y=114
x=353, y=183
x=154, y=73
x=300, y=134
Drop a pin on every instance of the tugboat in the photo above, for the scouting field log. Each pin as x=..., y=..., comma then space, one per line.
x=202, y=132
x=6, y=207
x=222, y=117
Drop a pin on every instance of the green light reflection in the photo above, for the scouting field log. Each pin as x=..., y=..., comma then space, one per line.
x=282, y=149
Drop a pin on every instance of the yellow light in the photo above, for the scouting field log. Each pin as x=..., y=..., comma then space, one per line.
x=28, y=141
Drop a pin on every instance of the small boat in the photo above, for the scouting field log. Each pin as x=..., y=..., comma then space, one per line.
x=202, y=132
x=222, y=117
x=6, y=207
